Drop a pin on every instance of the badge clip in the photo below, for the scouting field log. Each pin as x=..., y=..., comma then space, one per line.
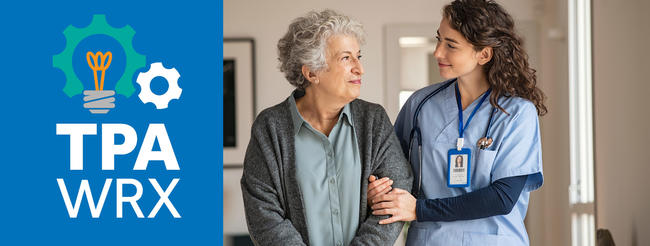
x=459, y=143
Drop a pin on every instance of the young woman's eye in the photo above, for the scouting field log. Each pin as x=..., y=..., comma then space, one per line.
x=437, y=39
x=451, y=46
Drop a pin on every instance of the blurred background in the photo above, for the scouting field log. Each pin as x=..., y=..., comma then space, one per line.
x=591, y=58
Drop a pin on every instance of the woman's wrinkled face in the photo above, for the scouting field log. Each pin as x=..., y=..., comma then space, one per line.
x=456, y=56
x=341, y=80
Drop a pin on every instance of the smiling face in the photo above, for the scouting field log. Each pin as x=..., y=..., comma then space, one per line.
x=456, y=56
x=341, y=80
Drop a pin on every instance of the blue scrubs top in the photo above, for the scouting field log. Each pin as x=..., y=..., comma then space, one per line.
x=515, y=151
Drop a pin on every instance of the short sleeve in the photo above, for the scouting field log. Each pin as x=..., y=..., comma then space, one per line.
x=520, y=152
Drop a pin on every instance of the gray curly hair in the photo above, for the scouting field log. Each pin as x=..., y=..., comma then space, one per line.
x=305, y=42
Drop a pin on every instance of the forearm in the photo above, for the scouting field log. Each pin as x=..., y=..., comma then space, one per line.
x=267, y=215
x=388, y=162
x=392, y=162
x=371, y=233
x=265, y=220
x=496, y=199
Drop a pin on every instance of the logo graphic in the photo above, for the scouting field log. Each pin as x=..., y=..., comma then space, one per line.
x=161, y=101
x=100, y=101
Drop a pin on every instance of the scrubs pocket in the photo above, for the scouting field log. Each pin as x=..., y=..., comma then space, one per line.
x=482, y=169
x=485, y=239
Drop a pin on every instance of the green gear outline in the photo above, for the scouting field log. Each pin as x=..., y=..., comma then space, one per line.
x=99, y=25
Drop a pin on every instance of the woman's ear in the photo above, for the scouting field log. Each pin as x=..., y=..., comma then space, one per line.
x=485, y=55
x=309, y=75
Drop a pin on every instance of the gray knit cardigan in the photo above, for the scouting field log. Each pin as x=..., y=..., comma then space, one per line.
x=272, y=197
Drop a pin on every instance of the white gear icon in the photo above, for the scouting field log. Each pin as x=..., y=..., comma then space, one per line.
x=173, y=91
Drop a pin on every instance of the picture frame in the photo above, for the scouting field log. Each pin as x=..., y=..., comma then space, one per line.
x=239, y=98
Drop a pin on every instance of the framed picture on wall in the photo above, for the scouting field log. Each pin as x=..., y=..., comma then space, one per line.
x=238, y=98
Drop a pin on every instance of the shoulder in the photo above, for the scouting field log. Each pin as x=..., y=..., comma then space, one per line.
x=369, y=115
x=272, y=112
x=359, y=106
x=521, y=112
x=365, y=111
x=518, y=107
x=423, y=92
x=277, y=116
x=420, y=94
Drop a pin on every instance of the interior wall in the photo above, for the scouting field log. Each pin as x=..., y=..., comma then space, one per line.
x=621, y=115
x=415, y=60
x=267, y=21
x=548, y=216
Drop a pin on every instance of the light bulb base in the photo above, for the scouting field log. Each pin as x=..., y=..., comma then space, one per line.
x=99, y=102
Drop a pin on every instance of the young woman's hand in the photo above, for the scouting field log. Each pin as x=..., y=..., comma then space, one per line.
x=377, y=187
x=398, y=203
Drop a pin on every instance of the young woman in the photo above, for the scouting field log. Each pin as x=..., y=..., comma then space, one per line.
x=485, y=203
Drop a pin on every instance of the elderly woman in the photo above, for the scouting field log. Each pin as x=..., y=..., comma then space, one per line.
x=309, y=158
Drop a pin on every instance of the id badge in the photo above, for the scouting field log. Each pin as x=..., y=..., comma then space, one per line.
x=458, y=166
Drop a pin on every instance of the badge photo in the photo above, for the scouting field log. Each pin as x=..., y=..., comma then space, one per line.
x=458, y=166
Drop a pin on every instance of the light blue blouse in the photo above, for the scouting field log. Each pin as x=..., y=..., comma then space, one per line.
x=328, y=171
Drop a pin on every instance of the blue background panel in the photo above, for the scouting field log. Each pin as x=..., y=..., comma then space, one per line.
x=185, y=35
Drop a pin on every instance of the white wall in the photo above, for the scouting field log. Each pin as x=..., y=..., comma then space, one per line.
x=415, y=60
x=267, y=21
x=622, y=113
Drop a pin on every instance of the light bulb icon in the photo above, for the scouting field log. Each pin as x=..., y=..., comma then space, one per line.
x=99, y=101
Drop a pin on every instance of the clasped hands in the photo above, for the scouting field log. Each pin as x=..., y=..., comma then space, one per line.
x=384, y=200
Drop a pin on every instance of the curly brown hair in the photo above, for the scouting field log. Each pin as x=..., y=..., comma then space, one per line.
x=484, y=23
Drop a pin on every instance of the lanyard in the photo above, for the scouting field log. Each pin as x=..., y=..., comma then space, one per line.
x=461, y=127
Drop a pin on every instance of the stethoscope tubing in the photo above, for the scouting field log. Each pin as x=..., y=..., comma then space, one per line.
x=415, y=132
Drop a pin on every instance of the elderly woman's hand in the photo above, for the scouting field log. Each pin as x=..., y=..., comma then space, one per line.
x=377, y=187
x=398, y=203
